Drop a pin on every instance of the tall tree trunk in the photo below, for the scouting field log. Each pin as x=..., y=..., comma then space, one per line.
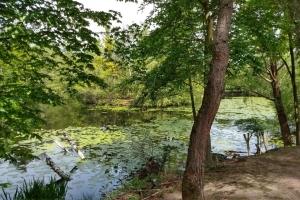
x=294, y=9
x=192, y=98
x=283, y=122
x=209, y=21
x=192, y=184
x=208, y=38
x=209, y=162
x=295, y=93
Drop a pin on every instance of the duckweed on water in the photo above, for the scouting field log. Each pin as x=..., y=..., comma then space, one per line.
x=122, y=149
x=243, y=108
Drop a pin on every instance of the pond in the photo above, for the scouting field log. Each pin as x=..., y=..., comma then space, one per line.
x=114, y=153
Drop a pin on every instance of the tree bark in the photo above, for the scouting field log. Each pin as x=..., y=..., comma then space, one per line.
x=192, y=184
x=209, y=162
x=209, y=21
x=283, y=122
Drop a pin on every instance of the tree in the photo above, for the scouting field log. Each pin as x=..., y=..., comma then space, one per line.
x=291, y=12
x=192, y=185
x=254, y=126
x=262, y=46
x=162, y=59
x=180, y=44
x=108, y=69
x=38, y=37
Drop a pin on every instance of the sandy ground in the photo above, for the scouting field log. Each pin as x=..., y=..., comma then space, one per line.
x=270, y=176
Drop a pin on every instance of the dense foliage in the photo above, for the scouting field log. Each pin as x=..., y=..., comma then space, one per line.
x=163, y=59
x=42, y=41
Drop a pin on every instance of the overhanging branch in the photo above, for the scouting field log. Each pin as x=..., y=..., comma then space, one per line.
x=286, y=64
x=258, y=93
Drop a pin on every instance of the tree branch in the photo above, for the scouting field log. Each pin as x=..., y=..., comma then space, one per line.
x=266, y=79
x=286, y=64
x=271, y=74
x=282, y=65
x=258, y=93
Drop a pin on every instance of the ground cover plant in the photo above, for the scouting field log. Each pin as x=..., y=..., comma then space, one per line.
x=38, y=189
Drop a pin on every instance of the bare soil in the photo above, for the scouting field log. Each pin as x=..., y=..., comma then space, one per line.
x=270, y=176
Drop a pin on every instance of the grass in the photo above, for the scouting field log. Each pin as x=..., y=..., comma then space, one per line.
x=39, y=189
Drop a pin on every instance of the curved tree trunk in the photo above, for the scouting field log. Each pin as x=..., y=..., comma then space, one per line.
x=283, y=122
x=209, y=162
x=192, y=184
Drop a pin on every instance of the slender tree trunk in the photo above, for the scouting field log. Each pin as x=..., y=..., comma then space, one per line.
x=192, y=98
x=192, y=184
x=283, y=122
x=266, y=142
x=247, y=139
x=258, y=150
x=208, y=38
x=295, y=19
x=295, y=93
x=294, y=11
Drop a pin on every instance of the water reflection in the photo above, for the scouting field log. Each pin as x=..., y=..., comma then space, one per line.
x=76, y=115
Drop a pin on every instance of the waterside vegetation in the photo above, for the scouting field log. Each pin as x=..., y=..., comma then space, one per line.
x=185, y=53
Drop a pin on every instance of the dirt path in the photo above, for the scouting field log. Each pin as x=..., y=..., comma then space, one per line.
x=270, y=176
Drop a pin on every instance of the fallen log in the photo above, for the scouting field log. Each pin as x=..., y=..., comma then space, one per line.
x=62, y=180
x=63, y=148
x=74, y=146
x=56, y=169
x=74, y=169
